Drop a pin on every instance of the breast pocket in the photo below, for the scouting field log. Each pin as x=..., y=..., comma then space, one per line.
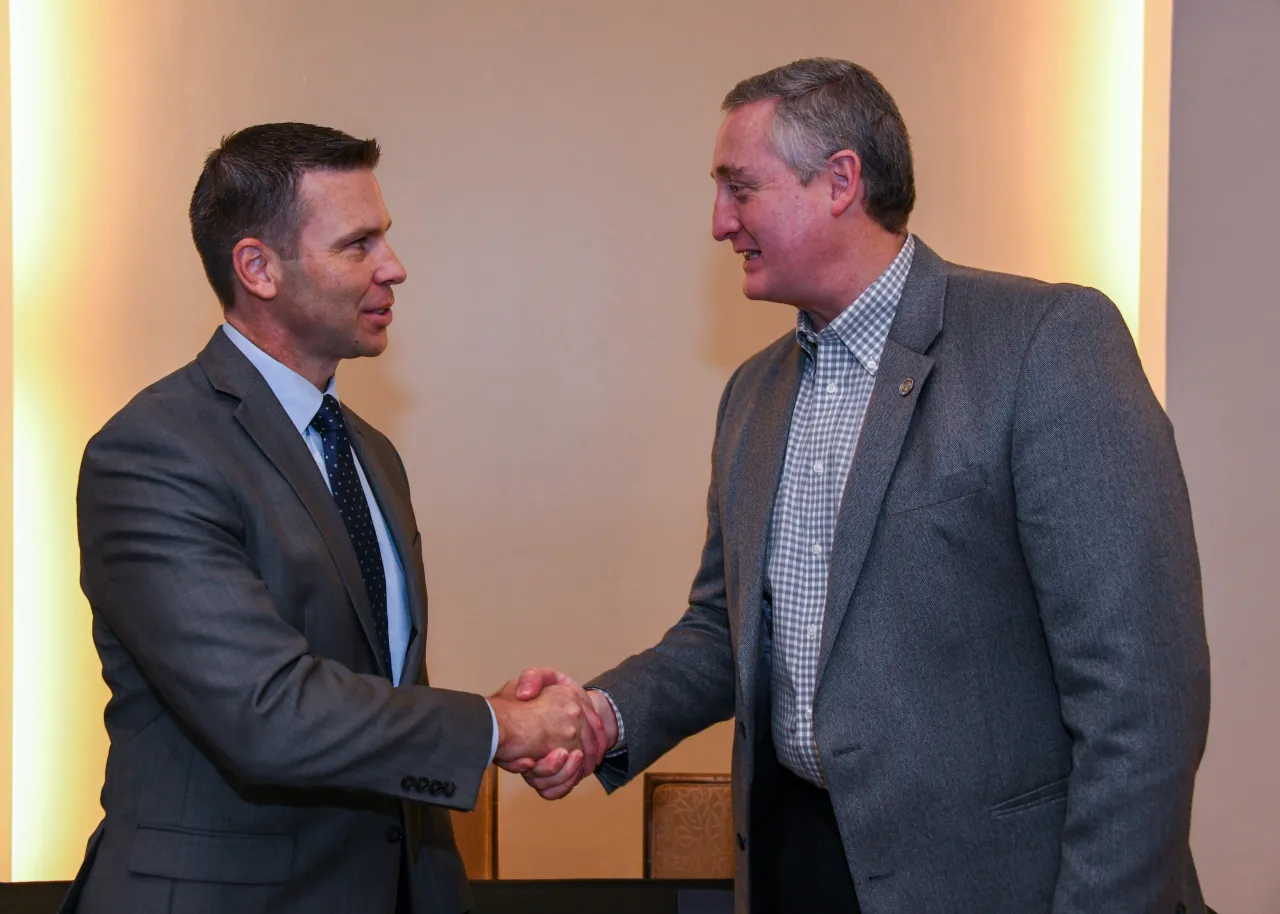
x=1031, y=799
x=936, y=491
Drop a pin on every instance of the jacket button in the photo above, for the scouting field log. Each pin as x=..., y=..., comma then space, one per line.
x=409, y=782
x=1180, y=909
x=434, y=787
x=742, y=729
x=423, y=784
x=394, y=834
x=742, y=842
x=449, y=788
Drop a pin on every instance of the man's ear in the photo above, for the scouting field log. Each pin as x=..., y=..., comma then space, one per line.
x=257, y=266
x=845, y=170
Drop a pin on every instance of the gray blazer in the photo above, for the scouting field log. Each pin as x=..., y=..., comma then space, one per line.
x=260, y=761
x=1013, y=689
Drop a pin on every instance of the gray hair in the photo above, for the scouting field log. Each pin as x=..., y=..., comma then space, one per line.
x=825, y=105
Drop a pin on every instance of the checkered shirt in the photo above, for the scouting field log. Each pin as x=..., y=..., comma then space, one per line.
x=839, y=372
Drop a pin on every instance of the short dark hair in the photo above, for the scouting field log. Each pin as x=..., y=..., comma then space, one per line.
x=249, y=189
x=825, y=105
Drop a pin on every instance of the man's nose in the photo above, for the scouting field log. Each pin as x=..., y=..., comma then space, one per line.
x=393, y=270
x=724, y=219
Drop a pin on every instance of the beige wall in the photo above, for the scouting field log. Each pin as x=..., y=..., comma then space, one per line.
x=1224, y=323
x=568, y=323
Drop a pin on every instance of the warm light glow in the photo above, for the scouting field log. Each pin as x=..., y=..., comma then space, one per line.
x=58, y=740
x=45, y=742
x=1157, y=65
x=6, y=459
x=1117, y=156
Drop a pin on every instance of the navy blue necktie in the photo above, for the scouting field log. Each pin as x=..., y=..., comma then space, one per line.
x=349, y=494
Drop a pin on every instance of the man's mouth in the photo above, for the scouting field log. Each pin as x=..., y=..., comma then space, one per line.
x=750, y=255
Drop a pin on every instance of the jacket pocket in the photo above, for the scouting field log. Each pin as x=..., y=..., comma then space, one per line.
x=936, y=491
x=1048, y=793
x=202, y=856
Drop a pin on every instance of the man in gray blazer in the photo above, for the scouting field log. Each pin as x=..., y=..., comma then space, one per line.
x=254, y=568
x=950, y=588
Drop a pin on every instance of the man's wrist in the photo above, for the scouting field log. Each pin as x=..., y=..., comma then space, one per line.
x=607, y=708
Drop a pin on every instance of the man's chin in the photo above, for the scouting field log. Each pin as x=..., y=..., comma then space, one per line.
x=371, y=345
x=760, y=292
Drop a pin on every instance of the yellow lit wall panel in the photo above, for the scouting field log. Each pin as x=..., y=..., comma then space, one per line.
x=6, y=461
x=59, y=745
x=1157, y=68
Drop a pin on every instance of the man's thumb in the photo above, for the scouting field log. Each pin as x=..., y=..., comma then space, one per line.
x=530, y=684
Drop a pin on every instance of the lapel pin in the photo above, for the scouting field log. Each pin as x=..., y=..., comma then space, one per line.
x=907, y=385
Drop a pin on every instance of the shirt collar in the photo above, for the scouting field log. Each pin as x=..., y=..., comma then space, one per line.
x=296, y=394
x=864, y=325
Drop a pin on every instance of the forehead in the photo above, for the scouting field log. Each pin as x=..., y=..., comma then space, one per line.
x=744, y=139
x=336, y=198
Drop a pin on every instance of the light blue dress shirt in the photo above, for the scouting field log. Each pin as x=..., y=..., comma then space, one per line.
x=301, y=401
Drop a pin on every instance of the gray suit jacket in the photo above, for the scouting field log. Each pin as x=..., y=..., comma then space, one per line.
x=260, y=759
x=1013, y=684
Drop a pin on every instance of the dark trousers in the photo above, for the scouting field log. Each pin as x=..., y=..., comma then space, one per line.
x=403, y=905
x=798, y=865
x=797, y=859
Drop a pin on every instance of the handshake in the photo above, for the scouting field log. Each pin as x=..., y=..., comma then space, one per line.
x=551, y=730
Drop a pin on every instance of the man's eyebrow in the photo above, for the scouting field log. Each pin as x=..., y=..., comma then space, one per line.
x=728, y=172
x=372, y=229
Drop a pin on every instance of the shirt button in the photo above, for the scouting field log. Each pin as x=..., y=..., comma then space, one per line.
x=872, y=364
x=816, y=548
x=808, y=714
x=812, y=631
x=817, y=466
x=831, y=388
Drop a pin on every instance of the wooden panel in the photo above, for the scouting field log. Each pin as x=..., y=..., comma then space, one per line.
x=477, y=831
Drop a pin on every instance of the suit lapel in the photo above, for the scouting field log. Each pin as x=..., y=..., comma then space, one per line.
x=900, y=379
x=399, y=517
x=758, y=462
x=267, y=424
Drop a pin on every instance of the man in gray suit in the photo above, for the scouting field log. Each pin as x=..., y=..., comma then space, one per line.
x=254, y=568
x=950, y=588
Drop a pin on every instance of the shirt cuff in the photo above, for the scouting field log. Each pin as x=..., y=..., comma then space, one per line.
x=621, y=745
x=493, y=744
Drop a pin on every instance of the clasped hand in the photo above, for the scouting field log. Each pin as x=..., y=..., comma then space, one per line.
x=551, y=730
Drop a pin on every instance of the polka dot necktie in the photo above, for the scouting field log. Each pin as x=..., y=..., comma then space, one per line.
x=349, y=494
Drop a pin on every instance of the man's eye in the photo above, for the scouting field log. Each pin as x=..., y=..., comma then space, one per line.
x=361, y=243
